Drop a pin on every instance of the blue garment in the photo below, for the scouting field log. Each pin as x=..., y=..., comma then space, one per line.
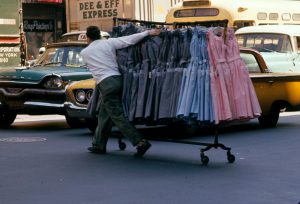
x=158, y=59
x=195, y=100
x=188, y=85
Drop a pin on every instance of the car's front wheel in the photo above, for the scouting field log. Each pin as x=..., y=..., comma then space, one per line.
x=75, y=122
x=91, y=123
x=6, y=119
x=270, y=120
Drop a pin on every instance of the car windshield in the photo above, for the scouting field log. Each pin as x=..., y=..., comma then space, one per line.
x=62, y=56
x=265, y=42
x=73, y=37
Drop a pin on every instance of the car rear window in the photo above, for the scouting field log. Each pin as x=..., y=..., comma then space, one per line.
x=266, y=42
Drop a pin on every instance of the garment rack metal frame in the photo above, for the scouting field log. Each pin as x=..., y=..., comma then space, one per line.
x=207, y=146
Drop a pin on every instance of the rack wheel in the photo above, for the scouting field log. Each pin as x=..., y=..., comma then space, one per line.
x=122, y=145
x=230, y=157
x=204, y=159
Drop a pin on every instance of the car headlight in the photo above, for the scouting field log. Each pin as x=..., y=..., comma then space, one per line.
x=89, y=94
x=80, y=96
x=83, y=96
x=54, y=82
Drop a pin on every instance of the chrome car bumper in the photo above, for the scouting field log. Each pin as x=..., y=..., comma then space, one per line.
x=33, y=104
x=22, y=93
x=33, y=101
x=76, y=111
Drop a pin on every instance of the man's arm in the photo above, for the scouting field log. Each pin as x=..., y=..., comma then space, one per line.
x=129, y=40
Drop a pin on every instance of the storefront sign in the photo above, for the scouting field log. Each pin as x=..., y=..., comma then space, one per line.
x=99, y=9
x=9, y=18
x=38, y=25
x=9, y=55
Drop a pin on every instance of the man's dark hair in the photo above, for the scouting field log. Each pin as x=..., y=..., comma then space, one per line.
x=93, y=32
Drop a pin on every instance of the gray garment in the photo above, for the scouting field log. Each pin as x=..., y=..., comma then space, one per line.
x=150, y=95
x=166, y=94
x=110, y=112
x=133, y=95
x=127, y=80
x=169, y=83
x=94, y=104
x=143, y=81
x=158, y=60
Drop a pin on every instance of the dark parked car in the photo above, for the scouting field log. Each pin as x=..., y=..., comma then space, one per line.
x=40, y=89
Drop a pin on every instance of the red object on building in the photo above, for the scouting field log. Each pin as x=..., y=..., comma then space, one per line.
x=51, y=1
x=43, y=1
x=7, y=40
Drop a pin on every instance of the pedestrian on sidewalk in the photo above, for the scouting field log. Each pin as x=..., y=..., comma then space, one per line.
x=100, y=57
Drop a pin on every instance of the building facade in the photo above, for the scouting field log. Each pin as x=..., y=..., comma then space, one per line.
x=43, y=22
x=153, y=10
x=81, y=13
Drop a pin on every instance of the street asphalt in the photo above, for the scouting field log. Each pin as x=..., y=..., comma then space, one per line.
x=43, y=161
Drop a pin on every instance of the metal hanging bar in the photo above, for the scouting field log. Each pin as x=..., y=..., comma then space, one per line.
x=117, y=20
x=215, y=23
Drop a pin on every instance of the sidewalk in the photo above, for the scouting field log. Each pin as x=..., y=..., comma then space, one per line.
x=25, y=118
x=28, y=118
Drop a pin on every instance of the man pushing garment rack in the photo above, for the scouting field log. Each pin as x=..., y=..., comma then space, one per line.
x=215, y=144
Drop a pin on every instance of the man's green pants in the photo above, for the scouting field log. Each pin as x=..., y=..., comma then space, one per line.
x=111, y=112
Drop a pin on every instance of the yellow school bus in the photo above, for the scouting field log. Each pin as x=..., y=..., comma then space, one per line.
x=239, y=13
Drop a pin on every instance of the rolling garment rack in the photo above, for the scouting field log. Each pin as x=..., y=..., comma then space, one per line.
x=207, y=146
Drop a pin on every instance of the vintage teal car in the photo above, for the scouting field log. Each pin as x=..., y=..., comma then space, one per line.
x=40, y=89
x=276, y=92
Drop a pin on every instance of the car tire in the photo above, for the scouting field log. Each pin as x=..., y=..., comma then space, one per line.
x=6, y=119
x=270, y=120
x=91, y=124
x=75, y=122
x=180, y=129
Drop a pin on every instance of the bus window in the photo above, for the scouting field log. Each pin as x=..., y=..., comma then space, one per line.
x=198, y=12
x=240, y=24
x=298, y=44
x=286, y=16
x=296, y=17
x=273, y=16
x=262, y=16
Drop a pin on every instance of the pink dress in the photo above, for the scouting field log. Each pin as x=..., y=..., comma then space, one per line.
x=244, y=97
x=233, y=94
x=219, y=72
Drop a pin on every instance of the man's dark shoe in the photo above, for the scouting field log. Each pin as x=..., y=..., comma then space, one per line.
x=97, y=150
x=142, y=149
